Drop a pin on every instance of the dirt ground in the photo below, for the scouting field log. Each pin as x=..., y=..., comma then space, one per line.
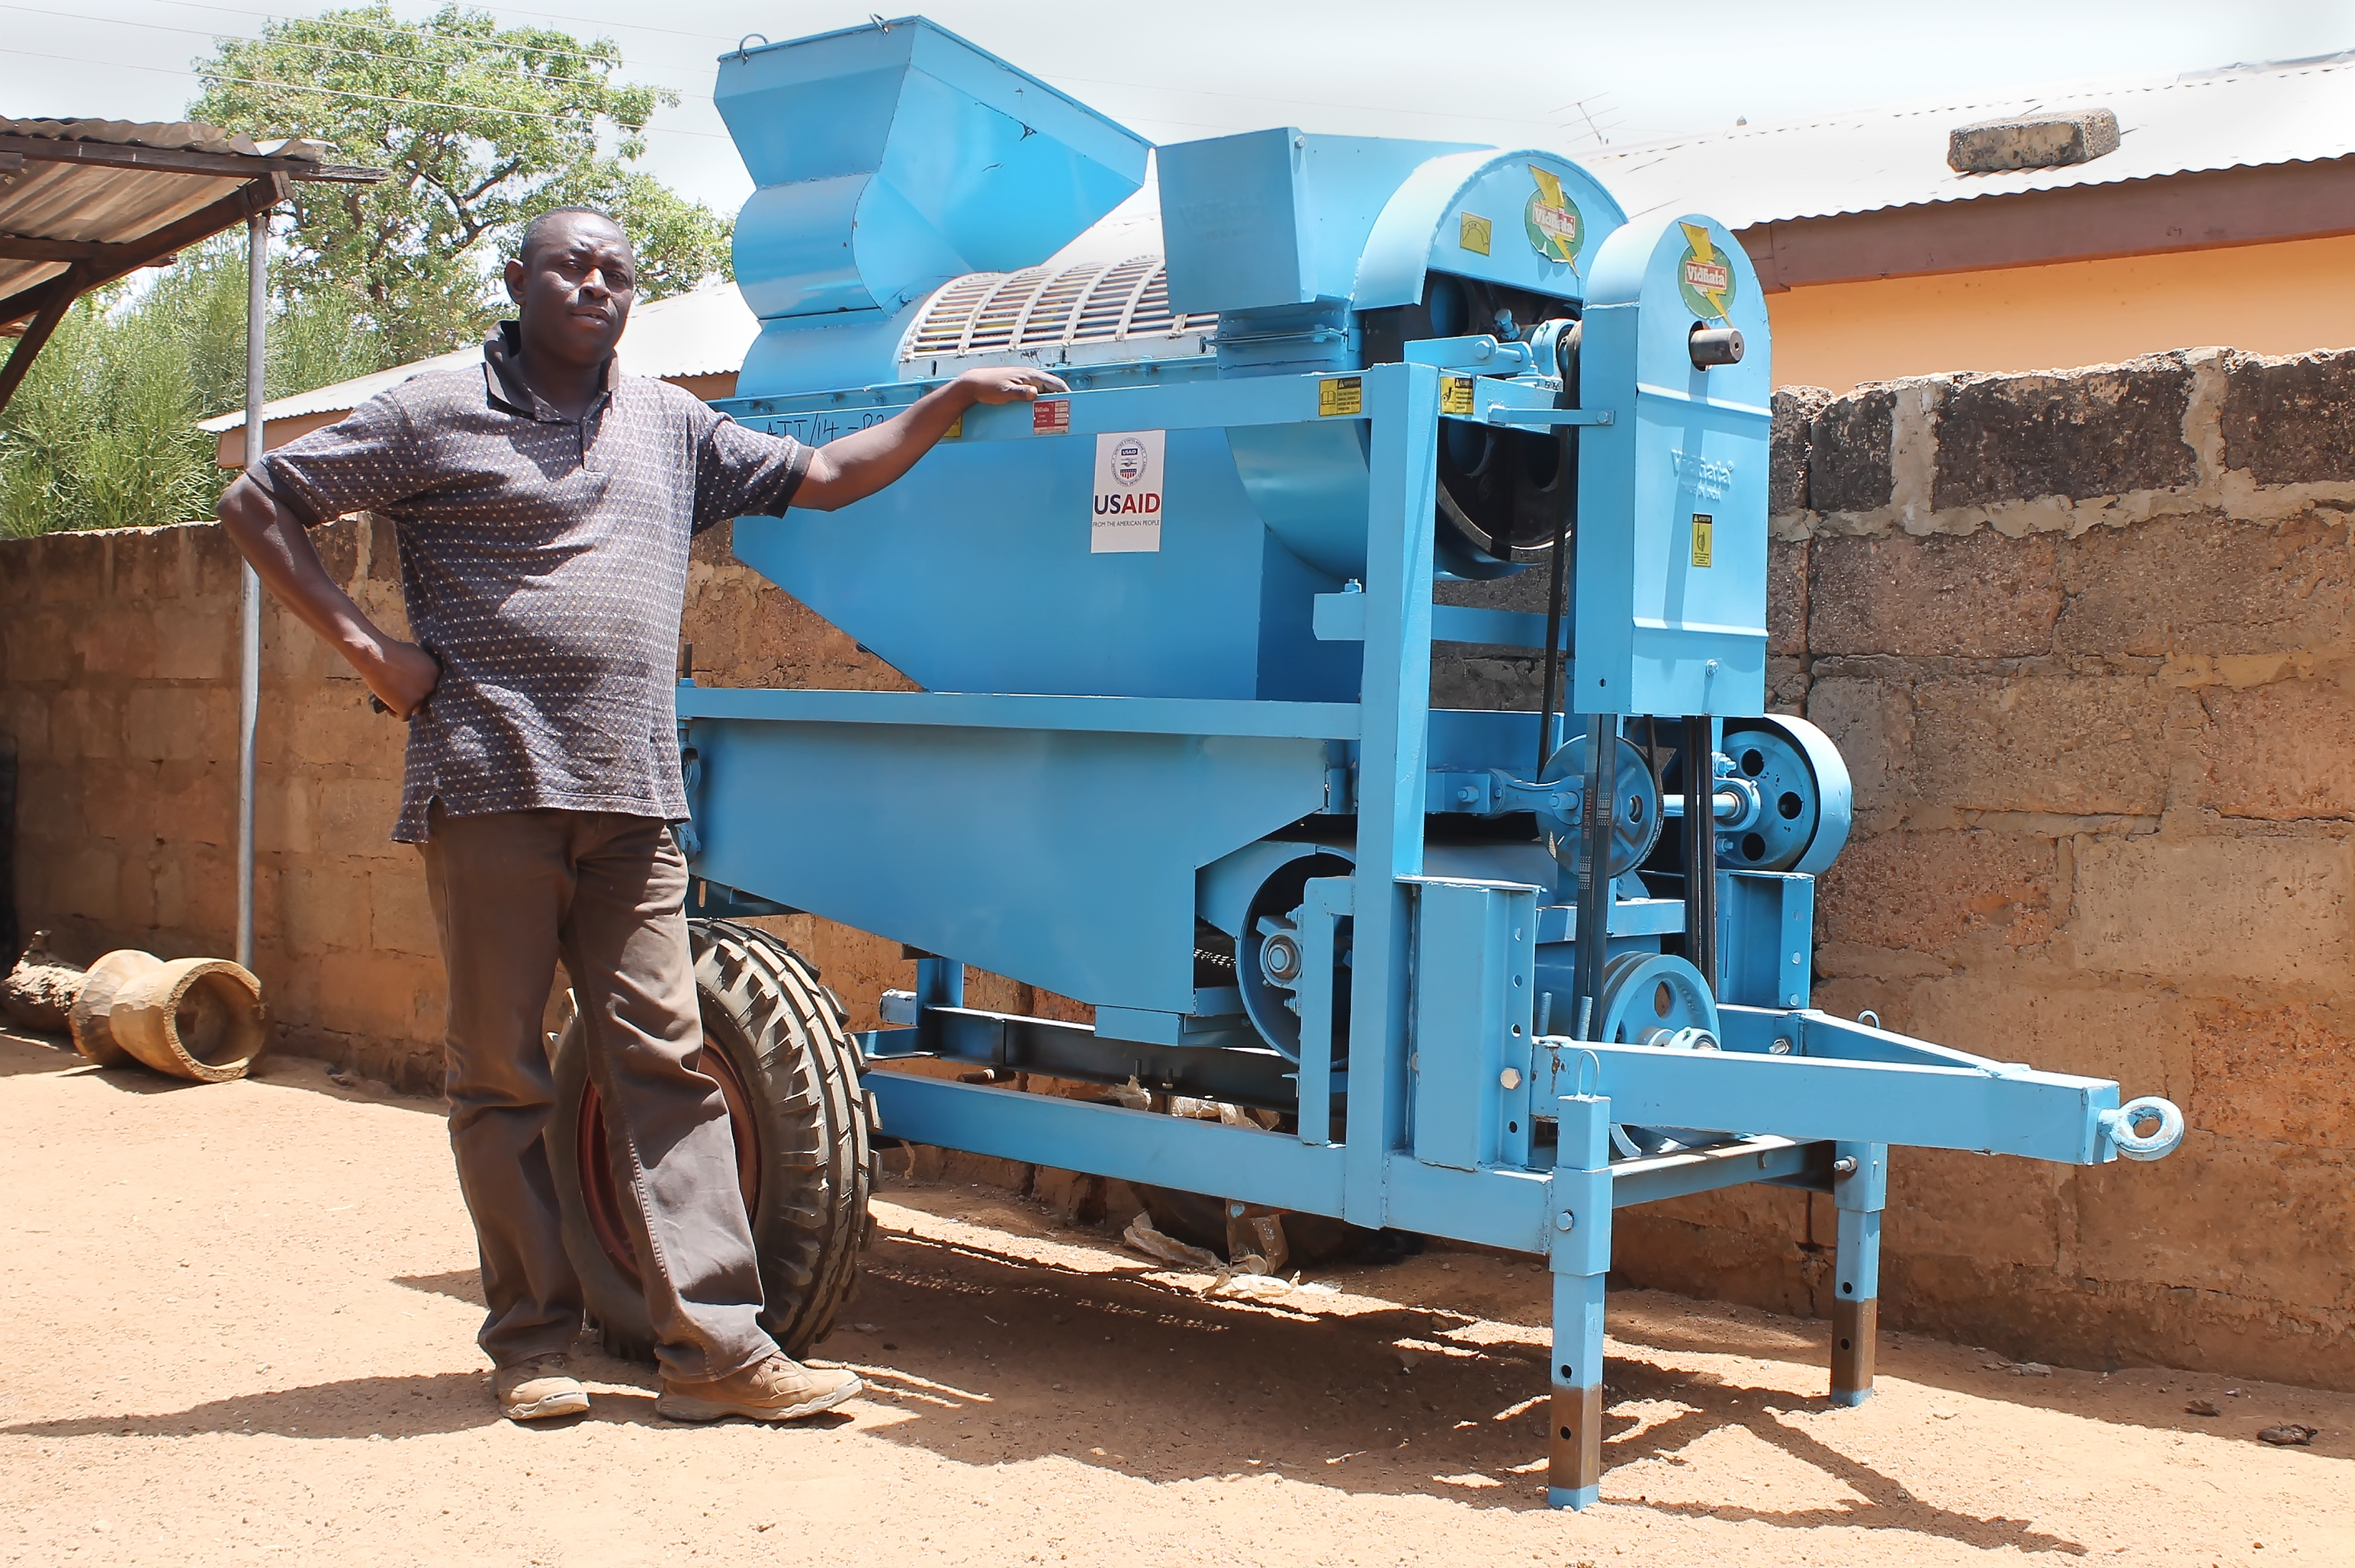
x=241, y=1322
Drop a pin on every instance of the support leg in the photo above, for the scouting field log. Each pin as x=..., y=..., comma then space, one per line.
x=1580, y=1259
x=1858, y=1191
x=1574, y=1449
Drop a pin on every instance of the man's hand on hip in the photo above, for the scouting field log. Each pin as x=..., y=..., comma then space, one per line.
x=402, y=675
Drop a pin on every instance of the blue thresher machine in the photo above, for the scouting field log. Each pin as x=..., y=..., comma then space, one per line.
x=1493, y=973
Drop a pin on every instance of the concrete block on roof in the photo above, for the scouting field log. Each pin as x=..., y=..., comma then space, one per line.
x=2099, y=433
x=2048, y=141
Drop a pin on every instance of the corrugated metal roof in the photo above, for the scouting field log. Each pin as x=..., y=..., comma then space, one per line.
x=704, y=332
x=180, y=136
x=87, y=203
x=2239, y=117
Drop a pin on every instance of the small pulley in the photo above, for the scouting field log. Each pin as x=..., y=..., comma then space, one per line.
x=1656, y=998
x=1634, y=806
x=1272, y=956
x=1660, y=1001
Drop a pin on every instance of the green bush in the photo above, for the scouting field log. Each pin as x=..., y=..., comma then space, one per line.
x=103, y=434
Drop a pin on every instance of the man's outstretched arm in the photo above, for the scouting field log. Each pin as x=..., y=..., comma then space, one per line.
x=853, y=467
x=402, y=675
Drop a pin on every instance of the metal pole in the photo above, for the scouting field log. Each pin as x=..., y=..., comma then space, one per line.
x=248, y=593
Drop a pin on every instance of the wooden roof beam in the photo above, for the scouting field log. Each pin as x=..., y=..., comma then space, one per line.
x=57, y=293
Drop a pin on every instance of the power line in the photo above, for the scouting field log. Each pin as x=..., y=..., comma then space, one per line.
x=360, y=54
x=367, y=97
x=639, y=27
x=1091, y=81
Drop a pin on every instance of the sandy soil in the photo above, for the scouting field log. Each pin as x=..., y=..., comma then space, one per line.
x=241, y=1320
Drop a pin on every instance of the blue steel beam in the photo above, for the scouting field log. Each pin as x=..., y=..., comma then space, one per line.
x=1687, y=1171
x=1111, y=1140
x=1341, y=618
x=2043, y=1115
x=968, y=710
x=1393, y=757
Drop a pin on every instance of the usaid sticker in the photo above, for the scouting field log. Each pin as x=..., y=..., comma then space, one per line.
x=1128, y=493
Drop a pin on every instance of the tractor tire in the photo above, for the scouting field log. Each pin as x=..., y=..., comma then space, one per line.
x=773, y=1041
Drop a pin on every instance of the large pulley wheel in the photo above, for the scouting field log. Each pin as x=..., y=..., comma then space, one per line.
x=1634, y=805
x=773, y=1041
x=1795, y=813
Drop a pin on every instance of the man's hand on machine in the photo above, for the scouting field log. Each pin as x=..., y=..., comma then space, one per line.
x=852, y=467
x=1001, y=384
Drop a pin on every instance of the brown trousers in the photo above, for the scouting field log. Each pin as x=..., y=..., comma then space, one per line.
x=513, y=893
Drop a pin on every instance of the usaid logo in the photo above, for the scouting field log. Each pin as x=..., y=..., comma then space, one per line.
x=1128, y=460
x=1127, y=519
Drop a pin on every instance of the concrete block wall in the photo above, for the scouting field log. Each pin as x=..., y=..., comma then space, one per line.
x=2087, y=642
x=117, y=690
x=2085, y=639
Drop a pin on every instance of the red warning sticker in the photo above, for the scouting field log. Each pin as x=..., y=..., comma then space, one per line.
x=1050, y=416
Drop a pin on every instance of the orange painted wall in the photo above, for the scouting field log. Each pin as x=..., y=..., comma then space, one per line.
x=2269, y=299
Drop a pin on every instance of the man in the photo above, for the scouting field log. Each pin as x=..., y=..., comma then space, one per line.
x=543, y=502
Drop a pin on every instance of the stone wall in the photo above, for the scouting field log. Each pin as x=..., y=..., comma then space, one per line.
x=2086, y=640
x=117, y=690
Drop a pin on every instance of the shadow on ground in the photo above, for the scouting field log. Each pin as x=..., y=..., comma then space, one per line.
x=1165, y=1386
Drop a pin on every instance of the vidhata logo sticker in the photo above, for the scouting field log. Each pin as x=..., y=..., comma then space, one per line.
x=1128, y=493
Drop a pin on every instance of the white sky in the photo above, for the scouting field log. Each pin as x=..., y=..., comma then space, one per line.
x=1513, y=72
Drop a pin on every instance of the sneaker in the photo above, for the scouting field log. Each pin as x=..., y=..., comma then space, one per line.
x=541, y=1389
x=778, y=1389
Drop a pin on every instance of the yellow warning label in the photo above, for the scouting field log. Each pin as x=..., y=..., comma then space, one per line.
x=1456, y=394
x=1472, y=233
x=957, y=429
x=1341, y=396
x=1704, y=539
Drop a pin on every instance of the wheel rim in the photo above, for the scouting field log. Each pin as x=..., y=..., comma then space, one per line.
x=600, y=1197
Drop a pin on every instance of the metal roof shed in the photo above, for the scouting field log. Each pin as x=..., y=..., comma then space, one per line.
x=84, y=202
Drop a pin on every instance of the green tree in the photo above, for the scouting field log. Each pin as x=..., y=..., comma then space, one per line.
x=483, y=127
x=101, y=434
x=311, y=340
